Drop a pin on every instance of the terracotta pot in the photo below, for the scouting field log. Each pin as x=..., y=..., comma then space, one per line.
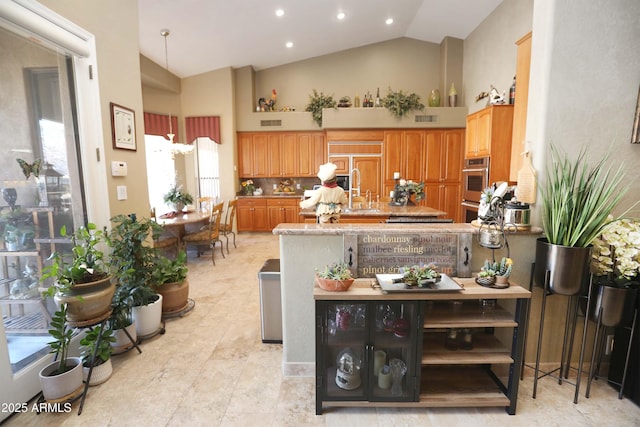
x=175, y=296
x=334, y=285
x=502, y=280
x=93, y=305
x=57, y=386
x=568, y=267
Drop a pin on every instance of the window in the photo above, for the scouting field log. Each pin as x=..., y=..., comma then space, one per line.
x=159, y=162
x=208, y=168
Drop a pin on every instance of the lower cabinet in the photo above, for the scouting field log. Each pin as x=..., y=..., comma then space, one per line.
x=436, y=352
x=366, y=351
x=282, y=210
x=252, y=214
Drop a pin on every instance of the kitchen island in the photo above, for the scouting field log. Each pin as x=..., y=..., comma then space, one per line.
x=374, y=248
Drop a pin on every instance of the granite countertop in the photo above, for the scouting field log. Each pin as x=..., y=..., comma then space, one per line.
x=385, y=210
x=386, y=228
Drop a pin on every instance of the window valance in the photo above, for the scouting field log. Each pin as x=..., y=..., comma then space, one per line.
x=200, y=127
x=158, y=124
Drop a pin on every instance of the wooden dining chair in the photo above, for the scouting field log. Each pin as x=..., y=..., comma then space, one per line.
x=208, y=235
x=226, y=227
x=205, y=203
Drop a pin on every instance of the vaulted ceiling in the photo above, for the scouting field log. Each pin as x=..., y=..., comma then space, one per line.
x=207, y=35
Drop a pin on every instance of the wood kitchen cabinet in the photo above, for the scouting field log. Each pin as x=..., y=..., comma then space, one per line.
x=280, y=154
x=370, y=174
x=280, y=210
x=404, y=152
x=252, y=214
x=523, y=64
x=489, y=133
x=443, y=172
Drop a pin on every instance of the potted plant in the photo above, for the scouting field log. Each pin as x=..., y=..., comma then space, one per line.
x=334, y=277
x=499, y=270
x=62, y=378
x=318, y=101
x=96, y=352
x=169, y=279
x=615, y=264
x=81, y=278
x=577, y=199
x=177, y=198
x=419, y=275
x=399, y=103
x=132, y=261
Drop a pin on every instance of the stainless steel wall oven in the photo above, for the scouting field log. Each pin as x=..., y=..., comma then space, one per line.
x=475, y=178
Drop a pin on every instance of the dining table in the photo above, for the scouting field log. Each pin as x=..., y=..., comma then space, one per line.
x=176, y=223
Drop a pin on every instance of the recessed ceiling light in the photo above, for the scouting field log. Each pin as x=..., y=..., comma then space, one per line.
x=289, y=45
x=341, y=15
x=389, y=21
x=279, y=12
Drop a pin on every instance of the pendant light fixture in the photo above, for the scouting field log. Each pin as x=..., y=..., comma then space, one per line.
x=176, y=148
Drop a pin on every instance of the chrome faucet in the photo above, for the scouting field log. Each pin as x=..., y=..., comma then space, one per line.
x=368, y=198
x=353, y=189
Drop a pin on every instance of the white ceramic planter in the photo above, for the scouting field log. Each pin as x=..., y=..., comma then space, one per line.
x=58, y=386
x=122, y=342
x=100, y=373
x=148, y=318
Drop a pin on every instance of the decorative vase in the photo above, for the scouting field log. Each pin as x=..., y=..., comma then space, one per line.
x=453, y=96
x=434, y=98
x=148, y=318
x=398, y=371
x=568, y=267
x=334, y=285
x=65, y=385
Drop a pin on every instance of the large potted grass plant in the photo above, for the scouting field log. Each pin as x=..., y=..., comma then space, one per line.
x=577, y=201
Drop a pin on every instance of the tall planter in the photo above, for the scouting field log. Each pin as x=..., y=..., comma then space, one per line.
x=58, y=386
x=88, y=303
x=175, y=296
x=609, y=304
x=568, y=267
x=148, y=318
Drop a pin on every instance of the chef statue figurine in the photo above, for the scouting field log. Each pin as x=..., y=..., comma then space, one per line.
x=328, y=199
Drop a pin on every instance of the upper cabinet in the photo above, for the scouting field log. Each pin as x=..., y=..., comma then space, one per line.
x=280, y=154
x=489, y=133
x=523, y=64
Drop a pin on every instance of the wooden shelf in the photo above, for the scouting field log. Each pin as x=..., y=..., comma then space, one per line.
x=466, y=315
x=460, y=387
x=487, y=349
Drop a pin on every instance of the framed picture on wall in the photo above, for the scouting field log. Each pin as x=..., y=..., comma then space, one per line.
x=123, y=127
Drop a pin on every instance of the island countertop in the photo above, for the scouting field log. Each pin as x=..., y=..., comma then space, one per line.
x=383, y=210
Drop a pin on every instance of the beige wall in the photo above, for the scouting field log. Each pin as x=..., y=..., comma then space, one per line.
x=115, y=27
x=407, y=64
x=212, y=94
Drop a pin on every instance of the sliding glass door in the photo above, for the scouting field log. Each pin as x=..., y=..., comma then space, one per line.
x=41, y=189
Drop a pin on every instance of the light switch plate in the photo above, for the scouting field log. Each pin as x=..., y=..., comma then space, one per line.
x=122, y=192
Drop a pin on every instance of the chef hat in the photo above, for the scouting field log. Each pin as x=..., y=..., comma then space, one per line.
x=327, y=172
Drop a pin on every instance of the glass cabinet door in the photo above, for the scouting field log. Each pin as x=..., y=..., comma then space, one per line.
x=342, y=355
x=394, y=339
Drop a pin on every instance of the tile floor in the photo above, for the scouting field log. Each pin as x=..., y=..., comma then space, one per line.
x=211, y=368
